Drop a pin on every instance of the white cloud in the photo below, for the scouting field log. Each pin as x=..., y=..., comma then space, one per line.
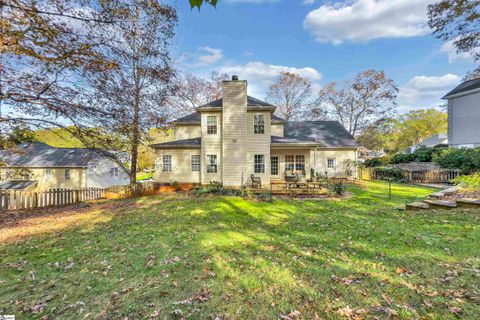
x=450, y=49
x=426, y=91
x=261, y=75
x=363, y=20
x=308, y=2
x=211, y=55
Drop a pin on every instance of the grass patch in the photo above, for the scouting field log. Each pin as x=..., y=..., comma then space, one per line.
x=204, y=257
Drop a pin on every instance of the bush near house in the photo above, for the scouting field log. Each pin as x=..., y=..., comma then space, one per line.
x=377, y=162
x=465, y=159
x=470, y=182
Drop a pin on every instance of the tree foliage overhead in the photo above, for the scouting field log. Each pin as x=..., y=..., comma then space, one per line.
x=290, y=92
x=83, y=64
x=199, y=3
x=458, y=21
x=369, y=98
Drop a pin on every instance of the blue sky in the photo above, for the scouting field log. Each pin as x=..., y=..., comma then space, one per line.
x=322, y=40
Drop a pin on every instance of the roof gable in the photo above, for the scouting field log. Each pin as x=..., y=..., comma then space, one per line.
x=464, y=87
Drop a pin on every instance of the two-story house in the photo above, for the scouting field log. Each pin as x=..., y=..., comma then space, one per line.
x=231, y=138
x=464, y=114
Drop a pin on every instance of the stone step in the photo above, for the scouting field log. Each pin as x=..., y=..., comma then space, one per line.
x=416, y=206
x=468, y=203
x=441, y=204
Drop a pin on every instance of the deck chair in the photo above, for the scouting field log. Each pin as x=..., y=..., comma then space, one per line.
x=256, y=182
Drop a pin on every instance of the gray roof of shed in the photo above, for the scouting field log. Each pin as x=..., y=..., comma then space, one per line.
x=464, y=87
x=16, y=185
x=326, y=133
x=43, y=155
x=251, y=102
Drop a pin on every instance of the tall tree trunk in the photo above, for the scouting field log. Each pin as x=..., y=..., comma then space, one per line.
x=136, y=107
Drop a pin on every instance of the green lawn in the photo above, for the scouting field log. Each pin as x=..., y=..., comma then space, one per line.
x=200, y=258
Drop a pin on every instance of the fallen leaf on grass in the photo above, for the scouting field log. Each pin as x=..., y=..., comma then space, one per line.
x=295, y=314
x=171, y=260
x=350, y=313
x=201, y=296
x=455, y=310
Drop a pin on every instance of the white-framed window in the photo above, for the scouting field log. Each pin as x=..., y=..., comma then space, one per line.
x=295, y=162
x=289, y=162
x=331, y=163
x=212, y=163
x=195, y=163
x=300, y=162
x=115, y=172
x=274, y=166
x=167, y=163
x=211, y=124
x=259, y=124
x=48, y=173
x=67, y=174
x=259, y=163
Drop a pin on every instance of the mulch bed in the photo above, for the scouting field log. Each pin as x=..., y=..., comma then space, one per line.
x=462, y=194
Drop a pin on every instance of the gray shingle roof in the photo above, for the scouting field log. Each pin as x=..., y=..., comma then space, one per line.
x=16, y=185
x=191, y=118
x=326, y=133
x=251, y=102
x=43, y=155
x=194, y=142
x=464, y=87
x=277, y=119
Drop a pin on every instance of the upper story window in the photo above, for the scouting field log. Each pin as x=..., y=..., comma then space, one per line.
x=115, y=172
x=211, y=124
x=195, y=163
x=48, y=173
x=331, y=163
x=67, y=174
x=167, y=162
x=259, y=123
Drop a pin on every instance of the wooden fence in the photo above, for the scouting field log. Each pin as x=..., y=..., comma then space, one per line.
x=18, y=200
x=418, y=176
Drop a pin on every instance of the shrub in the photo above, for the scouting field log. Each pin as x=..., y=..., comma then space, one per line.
x=338, y=188
x=467, y=160
x=403, y=158
x=471, y=182
x=377, y=162
x=422, y=154
x=216, y=187
x=386, y=173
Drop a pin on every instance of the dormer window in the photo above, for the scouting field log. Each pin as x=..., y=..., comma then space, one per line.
x=211, y=125
x=259, y=124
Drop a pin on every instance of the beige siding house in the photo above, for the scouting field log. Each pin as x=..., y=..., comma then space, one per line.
x=229, y=139
x=40, y=167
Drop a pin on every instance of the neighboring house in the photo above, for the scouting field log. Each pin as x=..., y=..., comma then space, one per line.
x=435, y=140
x=464, y=114
x=231, y=138
x=37, y=166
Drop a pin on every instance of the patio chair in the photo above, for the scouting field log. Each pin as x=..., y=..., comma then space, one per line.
x=290, y=179
x=256, y=182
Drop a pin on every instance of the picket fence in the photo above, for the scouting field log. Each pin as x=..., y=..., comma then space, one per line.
x=417, y=176
x=18, y=200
